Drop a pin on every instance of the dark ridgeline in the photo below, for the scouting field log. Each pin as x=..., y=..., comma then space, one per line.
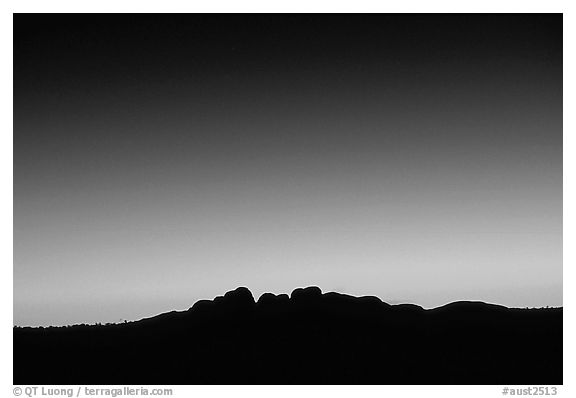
x=307, y=338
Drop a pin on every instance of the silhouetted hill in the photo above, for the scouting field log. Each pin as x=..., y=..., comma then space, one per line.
x=307, y=338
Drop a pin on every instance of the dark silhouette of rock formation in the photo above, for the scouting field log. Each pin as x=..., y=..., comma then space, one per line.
x=307, y=338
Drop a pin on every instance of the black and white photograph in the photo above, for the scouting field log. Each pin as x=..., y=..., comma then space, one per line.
x=288, y=199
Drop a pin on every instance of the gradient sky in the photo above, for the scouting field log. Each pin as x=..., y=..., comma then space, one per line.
x=159, y=160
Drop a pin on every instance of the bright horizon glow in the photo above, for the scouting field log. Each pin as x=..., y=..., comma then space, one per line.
x=424, y=175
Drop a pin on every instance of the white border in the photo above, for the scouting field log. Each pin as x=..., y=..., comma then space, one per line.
x=292, y=6
x=287, y=6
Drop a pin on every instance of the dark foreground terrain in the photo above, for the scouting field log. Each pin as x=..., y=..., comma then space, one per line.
x=307, y=338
